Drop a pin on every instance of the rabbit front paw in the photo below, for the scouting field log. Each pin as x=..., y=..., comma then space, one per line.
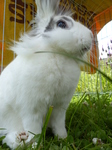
x=15, y=139
x=60, y=132
x=22, y=136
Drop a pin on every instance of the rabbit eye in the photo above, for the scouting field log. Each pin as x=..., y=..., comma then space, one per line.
x=61, y=24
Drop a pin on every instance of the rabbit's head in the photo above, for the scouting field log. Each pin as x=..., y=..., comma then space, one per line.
x=59, y=30
x=55, y=30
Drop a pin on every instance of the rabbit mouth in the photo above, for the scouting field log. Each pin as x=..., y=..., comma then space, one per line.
x=85, y=49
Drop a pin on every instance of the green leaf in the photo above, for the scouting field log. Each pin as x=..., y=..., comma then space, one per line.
x=1, y=138
x=54, y=147
x=65, y=148
x=70, y=139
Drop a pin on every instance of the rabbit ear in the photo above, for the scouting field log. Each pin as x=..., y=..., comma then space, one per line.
x=46, y=7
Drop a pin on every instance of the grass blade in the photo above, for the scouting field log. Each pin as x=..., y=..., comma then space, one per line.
x=44, y=127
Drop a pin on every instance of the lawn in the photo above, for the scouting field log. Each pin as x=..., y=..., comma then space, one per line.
x=96, y=82
x=88, y=117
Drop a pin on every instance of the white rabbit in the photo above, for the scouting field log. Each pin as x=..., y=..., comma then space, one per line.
x=34, y=81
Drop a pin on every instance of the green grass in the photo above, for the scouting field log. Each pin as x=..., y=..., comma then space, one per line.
x=88, y=117
x=97, y=81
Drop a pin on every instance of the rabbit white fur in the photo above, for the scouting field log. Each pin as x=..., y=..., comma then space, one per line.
x=33, y=81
